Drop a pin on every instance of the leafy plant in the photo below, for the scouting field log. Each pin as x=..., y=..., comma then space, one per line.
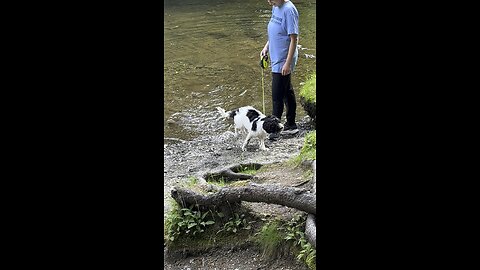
x=307, y=253
x=235, y=223
x=186, y=221
x=293, y=230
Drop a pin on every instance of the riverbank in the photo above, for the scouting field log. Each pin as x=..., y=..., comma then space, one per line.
x=184, y=159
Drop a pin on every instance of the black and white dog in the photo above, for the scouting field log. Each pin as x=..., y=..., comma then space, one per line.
x=254, y=122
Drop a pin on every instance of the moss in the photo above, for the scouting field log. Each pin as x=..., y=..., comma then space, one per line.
x=191, y=181
x=309, y=149
x=239, y=183
x=250, y=172
x=309, y=89
x=308, y=97
x=307, y=174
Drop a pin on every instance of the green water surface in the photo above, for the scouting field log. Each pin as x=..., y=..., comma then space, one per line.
x=211, y=58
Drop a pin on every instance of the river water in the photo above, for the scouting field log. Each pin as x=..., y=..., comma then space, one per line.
x=211, y=58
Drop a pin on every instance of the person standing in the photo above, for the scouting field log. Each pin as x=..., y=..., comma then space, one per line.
x=282, y=43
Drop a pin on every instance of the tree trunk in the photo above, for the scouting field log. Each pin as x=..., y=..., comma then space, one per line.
x=310, y=225
x=298, y=198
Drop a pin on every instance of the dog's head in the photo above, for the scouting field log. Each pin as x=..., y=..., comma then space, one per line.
x=271, y=124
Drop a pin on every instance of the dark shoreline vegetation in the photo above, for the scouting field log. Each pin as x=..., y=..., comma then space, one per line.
x=308, y=97
x=193, y=229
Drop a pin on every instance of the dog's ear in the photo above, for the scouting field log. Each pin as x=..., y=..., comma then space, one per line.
x=271, y=124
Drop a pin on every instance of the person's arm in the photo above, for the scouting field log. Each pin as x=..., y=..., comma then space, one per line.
x=291, y=51
x=265, y=50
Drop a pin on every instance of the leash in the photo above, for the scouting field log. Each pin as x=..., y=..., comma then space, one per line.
x=263, y=65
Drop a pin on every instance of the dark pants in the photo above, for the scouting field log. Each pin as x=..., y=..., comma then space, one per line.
x=282, y=93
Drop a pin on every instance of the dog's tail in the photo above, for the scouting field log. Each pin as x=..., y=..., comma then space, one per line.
x=223, y=113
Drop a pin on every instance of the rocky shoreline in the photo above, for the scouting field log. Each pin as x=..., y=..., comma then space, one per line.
x=183, y=159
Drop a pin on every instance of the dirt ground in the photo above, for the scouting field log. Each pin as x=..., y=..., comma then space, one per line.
x=247, y=258
x=275, y=171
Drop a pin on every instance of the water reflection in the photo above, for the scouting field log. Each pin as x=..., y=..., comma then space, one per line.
x=211, y=53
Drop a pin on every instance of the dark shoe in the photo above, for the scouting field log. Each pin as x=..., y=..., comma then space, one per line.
x=290, y=129
x=273, y=136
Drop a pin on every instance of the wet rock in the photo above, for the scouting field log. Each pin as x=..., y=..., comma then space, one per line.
x=310, y=108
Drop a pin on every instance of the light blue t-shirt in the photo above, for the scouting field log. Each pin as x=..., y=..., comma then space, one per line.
x=284, y=22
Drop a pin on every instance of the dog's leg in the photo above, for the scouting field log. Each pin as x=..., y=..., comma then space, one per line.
x=262, y=144
x=247, y=139
x=244, y=130
x=237, y=131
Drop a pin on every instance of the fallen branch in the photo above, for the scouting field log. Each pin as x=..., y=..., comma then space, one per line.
x=300, y=199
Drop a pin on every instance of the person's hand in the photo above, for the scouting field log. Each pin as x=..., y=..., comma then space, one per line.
x=263, y=52
x=286, y=69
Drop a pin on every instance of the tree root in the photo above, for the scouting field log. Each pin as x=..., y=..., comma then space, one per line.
x=297, y=198
x=310, y=225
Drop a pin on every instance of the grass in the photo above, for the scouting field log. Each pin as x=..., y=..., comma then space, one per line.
x=309, y=149
x=250, y=172
x=275, y=238
x=218, y=182
x=269, y=238
x=308, y=91
x=307, y=174
x=191, y=181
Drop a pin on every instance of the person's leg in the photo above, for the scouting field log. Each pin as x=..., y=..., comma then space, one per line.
x=290, y=102
x=277, y=100
x=277, y=95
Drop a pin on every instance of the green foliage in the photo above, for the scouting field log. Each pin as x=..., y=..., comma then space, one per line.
x=218, y=182
x=307, y=253
x=248, y=170
x=186, y=222
x=269, y=238
x=309, y=149
x=308, y=90
x=235, y=223
x=293, y=230
x=191, y=181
